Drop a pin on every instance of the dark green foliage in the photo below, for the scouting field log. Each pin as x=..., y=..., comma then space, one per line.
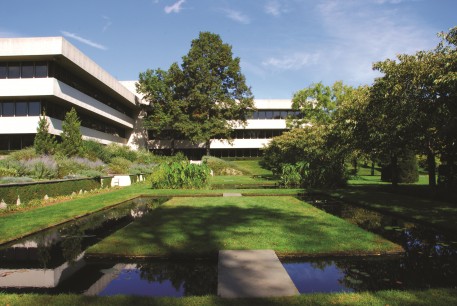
x=94, y=150
x=44, y=143
x=408, y=171
x=291, y=174
x=119, y=165
x=444, y=177
x=115, y=150
x=31, y=191
x=72, y=142
x=180, y=175
x=315, y=149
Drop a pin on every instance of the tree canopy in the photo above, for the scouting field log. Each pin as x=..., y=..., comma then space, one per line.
x=204, y=98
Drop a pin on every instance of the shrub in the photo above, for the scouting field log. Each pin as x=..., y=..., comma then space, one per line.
x=15, y=180
x=94, y=150
x=44, y=143
x=7, y=171
x=43, y=167
x=180, y=175
x=137, y=168
x=114, y=150
x=90, y=173
x=119, y=165
x=72, y=142
x=291, y=174
x=407, y=169
x=24, y=154
x=76, y=165
x=28, y=192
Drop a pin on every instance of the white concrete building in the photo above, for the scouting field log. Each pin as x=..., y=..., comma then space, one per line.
x=49, y=74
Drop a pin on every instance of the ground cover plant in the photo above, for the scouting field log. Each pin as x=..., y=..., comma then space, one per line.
x=201, y=227
x=386, y=297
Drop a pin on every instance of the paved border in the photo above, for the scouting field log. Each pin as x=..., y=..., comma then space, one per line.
x=252, y=273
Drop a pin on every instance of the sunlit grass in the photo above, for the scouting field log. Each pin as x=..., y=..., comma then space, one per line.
x=203, y=226
x=387, y=297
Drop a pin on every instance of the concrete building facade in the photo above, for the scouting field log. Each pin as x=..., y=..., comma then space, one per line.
x=50, y=75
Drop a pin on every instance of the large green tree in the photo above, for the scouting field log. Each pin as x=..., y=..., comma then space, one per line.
x=160, y=88
x=216, y=96
x=72, y=142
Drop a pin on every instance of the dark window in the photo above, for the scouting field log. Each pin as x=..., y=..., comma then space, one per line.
x=8, y=109
x=3, y=71
x=261, y=115
x=276, y=115
x=27, y=140
x=34, y=108
x=14, y=71
x=15, y=142
x=255, y=115
x=41, y=70
x=21, y=109
x=283, y=114
x=269, y=115
x=4, y=142
x=27, y=70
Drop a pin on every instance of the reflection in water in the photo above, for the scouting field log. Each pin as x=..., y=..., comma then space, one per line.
x=430, y=258
x=53, y=255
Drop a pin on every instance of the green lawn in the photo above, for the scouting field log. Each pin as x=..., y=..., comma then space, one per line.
x=435, y=297
x=240, y=180
x=252, y=166
x=203, y=226
x=18, y=224
x=376, y=180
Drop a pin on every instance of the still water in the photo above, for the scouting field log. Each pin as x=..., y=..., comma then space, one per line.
x=53, y=261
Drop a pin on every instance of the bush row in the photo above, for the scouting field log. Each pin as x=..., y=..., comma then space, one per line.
x=37, y=190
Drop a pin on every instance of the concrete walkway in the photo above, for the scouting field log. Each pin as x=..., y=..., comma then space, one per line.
x=252, y=273
x=228, y=194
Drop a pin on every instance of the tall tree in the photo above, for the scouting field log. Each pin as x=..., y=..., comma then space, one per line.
x=216, y=96
x=165, y=109
x=72, y=142
x=44, y=142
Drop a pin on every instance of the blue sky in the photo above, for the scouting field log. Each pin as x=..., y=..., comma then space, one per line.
x=284, y=45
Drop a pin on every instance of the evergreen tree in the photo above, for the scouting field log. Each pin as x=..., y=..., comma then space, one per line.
x=72, y=142
x=44, y=143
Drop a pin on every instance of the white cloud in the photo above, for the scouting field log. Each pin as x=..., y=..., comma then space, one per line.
x=293, y=61
x=83, y=40
x=237, y=16
x=107, y=24
x=273, y=8
x=174, y=8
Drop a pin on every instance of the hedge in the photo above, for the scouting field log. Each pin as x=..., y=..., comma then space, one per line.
x=37, y=190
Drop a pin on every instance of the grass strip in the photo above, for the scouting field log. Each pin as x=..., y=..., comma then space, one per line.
x=21, y=223
x=435, y=297
x=200, y=227
x=440, y=214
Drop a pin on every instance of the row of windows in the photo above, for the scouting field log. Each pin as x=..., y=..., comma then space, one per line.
x=236, y=134
x=276, y=114
x=54, y=110
x=12, y=109
x=15, y=70
x=197, y=154
x=16, y=142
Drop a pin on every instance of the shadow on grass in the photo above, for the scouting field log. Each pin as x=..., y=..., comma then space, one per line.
x=187, y=230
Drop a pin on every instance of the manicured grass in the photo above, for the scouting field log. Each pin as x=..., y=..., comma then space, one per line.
x=253, y=167
x=240, y=180
x=442, y=214
x=387, y=297
x=376, y=180
x=21, y=223
x=201, y=227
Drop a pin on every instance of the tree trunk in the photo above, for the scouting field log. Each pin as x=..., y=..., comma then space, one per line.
x=450, y=165
x=172, y=146
x=431, y=164
x=354, y=164
x=394, y=168
x=372, y=168
x=207, y=145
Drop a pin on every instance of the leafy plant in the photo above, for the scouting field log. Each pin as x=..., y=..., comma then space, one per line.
x=180, y=175
x=119, y=165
